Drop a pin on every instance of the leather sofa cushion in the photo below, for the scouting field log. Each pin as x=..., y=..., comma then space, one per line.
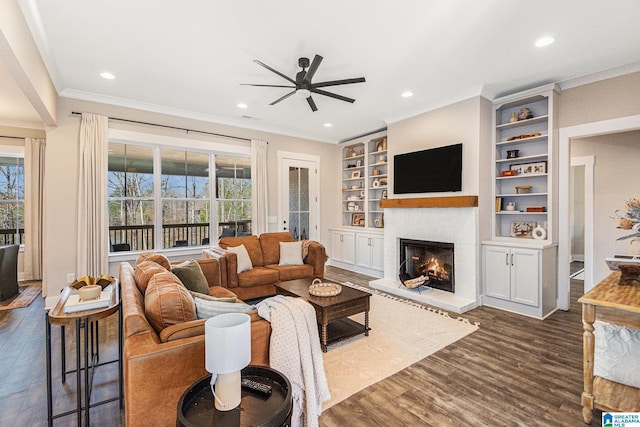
x=157, y=258
x=167, y=302
x=257, y=276
x=291, y=272
x=144, y=271
x=270, y=244
x=251, y=243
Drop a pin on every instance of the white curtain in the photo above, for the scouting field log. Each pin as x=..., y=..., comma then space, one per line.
x=34, y=202
x=259, y=208
x=93, y=248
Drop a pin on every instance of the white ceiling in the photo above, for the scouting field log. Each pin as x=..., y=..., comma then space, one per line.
x=189, y=58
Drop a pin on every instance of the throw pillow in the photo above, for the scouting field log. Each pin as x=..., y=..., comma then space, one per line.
x=191, y=275
x=208, y=308
x=244, y=262
x=212, y=298
x=167, y=302
x=157, y=258
x=291, y=253
x=144, y=271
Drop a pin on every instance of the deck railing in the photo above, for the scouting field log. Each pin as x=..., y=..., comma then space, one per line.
x=142, y=238
x=12, y=236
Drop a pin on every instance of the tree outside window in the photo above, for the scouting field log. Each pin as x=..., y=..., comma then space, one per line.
x=11, y=200
x=233, y=195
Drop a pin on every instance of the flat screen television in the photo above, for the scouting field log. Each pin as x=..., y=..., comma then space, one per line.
x=428, y=171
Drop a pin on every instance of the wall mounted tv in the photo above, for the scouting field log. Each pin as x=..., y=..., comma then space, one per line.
x=428, y=171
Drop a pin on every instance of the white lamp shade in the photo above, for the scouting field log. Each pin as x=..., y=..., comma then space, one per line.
x=227, y=343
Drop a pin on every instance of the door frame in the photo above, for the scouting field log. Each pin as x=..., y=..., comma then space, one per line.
x=589, y=186
x=623, y=124
x=289, y=155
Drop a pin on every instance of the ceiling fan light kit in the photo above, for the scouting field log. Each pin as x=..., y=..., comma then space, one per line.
x=302, y=85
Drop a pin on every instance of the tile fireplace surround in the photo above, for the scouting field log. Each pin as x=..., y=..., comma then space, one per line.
x=457, y=225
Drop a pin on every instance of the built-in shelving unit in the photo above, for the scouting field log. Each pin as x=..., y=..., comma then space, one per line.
x=364, y=181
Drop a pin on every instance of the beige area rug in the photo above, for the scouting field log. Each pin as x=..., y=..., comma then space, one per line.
x=27, y=292
x=402, y=333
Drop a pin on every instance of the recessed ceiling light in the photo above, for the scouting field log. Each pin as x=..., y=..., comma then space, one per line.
x=242, y=105
x=328, y=125
x=107, y=75
x=407, y=94
x=544, y=41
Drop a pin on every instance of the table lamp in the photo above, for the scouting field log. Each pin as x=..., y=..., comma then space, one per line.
x=227, y=352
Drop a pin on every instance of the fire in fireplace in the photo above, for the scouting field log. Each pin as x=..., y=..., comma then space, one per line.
x=428, y=262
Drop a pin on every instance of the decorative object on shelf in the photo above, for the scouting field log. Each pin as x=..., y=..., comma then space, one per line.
x=351, y=206
x=382, y=145
x=629, y=220
x=614, y=262
x=512, y=154
x=355, y=174
x=509, y=173
x=383, y=159
x=361, y=152
x=377, y=222
x=383, y=181
x=362, y=194
x=357, y=220
x=525, y=114
x=539, y=233
x=375, y=183
x=511, y=206
x=536, y=209
x=530, y=168
x=227, y=350
x=376, y=172
x=513, y=118
x=351, y=166
x=522, y=229
x=524, y=136
x=384, y=194
x=355, y=187
x=498, y=204
x=351, y=152
x=524, y=188
x=320, y=289
x=359, y=163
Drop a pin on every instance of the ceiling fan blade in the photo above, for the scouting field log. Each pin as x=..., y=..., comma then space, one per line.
x=251, y=84
x=282, y=98
x=274, y=71
x=332, y=95
x=339, y=82
x=312, y=104
x=312, y=68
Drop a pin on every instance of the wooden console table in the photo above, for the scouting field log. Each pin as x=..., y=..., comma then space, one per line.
x=618, y=304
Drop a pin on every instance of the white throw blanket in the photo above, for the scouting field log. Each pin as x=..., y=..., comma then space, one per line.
x=295, y=351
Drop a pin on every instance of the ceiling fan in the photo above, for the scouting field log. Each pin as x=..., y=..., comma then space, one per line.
x=302, y=85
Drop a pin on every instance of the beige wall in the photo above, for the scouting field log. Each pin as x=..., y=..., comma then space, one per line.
x=603, y=100
x=616, y=179
x=62, y=169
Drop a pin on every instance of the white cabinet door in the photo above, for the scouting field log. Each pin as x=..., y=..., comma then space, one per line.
x=497, y=271
x=525, y=276
x=363, y=250
x=336, y=245
x=377, y=252
x=343, y=246
x=349, y=248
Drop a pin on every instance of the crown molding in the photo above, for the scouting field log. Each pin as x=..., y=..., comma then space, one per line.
x=599, y=76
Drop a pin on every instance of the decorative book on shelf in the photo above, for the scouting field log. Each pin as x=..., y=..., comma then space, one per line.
x=75, y=304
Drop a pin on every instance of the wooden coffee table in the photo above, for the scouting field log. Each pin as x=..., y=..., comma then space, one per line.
x=332, y=312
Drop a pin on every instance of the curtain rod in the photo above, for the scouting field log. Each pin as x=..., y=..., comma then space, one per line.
x=14, y=137
x=172, y=127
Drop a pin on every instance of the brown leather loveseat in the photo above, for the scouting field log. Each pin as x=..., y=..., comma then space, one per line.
x=264, y=252
x=160, y=366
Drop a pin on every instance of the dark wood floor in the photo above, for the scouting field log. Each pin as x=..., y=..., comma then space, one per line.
x=514, y=371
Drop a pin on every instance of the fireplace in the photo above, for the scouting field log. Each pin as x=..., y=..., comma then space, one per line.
x=432, y=261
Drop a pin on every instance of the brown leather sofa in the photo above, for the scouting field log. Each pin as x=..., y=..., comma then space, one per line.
x=264, y=252
x=159, y=367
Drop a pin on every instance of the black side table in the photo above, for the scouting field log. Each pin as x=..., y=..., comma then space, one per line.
x=89, y=345
x=196, y=408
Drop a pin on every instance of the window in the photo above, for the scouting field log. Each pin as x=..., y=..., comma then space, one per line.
x=131, y=201
x=161, y=197
x=233, y=196
x=11, y=200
